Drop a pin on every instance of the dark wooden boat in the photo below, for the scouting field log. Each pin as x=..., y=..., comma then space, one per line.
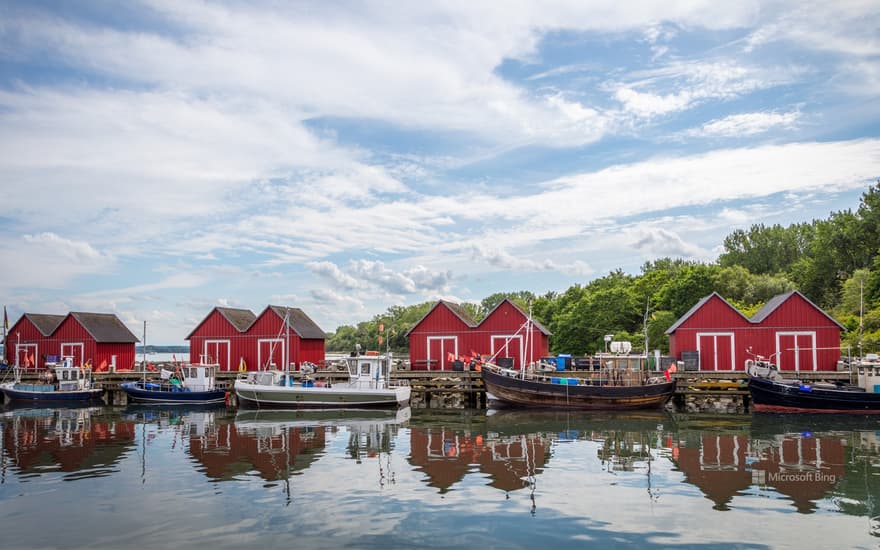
x=540, y=390
x=796, y=396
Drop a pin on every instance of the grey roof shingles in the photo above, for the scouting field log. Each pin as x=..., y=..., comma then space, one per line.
x=45, y=323
x=300, y=323
x=241, y=319
x=105, y=328
x=775, y=302
x=771, y=306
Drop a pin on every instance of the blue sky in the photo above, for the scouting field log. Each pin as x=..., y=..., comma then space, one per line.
x=160, y=158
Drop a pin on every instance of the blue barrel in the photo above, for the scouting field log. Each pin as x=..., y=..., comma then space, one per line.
x=563, y=361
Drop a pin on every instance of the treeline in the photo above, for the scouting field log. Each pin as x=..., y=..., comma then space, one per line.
x=835, y=262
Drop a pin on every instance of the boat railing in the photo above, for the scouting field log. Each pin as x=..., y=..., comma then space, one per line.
x=606, y=376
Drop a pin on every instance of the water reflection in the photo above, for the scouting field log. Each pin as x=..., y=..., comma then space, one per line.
x=802, y=458
x=802, y=463
x=512, y=448
x=78, y=441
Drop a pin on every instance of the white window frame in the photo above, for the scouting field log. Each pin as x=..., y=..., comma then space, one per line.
x=442, y=349
x=217, y=342
x=35, y=347
x=797, y=356
x=80, y=345
x=506, y=339
x=714, y=336
x=280, y=341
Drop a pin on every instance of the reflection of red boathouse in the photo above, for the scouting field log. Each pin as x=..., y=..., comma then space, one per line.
x=70, y=439
x=275, y=452
x=445, y=456
x=804, y=469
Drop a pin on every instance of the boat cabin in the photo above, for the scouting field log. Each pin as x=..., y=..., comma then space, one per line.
x=64, y=375
x=369, y=371
x=199, y=377
x=868, y=374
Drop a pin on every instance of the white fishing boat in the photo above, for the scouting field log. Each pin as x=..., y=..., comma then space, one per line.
x=368, y=385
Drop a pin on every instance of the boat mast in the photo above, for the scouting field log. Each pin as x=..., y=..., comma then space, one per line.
x=861, y=316
x=144, y=354
x=287, y=341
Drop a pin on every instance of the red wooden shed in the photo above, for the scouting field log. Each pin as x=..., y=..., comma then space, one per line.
x=221, y=338
x=448, y=331
x=444, y=330
x=503, y=331
x=29, y=340
x=99, y=338
x=269, y=339
x=790, y=329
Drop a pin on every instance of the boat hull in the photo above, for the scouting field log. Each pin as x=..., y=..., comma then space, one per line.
x=136, y=392
x=772, y=396
x=259, y=395
x=533, y=393
x=19, y=394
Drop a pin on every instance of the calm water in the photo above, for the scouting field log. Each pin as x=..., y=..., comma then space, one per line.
x=169, y=478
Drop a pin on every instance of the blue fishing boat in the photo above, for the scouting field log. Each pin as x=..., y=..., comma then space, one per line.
x=189, y=384
x=60, y=382
x=771, y=392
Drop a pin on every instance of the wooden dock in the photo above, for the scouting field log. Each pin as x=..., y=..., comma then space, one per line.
x=464, y=389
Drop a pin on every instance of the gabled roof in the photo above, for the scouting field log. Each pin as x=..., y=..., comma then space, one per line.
x=776, y=302
x=45, y=323
x=696, y=308
x=105, y=328
x=299, y=322
x=456, y=310
x=240, y=319
x=519, y=309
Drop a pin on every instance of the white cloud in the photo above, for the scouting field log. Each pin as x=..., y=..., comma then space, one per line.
x=498, y=258
x=658, y=242
x=746, y=124
x=332, y=272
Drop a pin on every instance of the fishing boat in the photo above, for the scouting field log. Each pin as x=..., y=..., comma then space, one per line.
x=620, y=383
x=62, y=381
x=188, y=384
x=771, y=392
x=614, y=387
x=368, y=385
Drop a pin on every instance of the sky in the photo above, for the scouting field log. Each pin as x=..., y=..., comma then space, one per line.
x=159, y=158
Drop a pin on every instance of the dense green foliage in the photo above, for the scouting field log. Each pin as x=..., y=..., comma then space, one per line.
x=835, y=262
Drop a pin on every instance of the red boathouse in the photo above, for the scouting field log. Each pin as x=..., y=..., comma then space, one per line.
x=239, y=340
x=269, y=338
x=99, y=338
x=29, y=340
x=220, y=338
x=790, y=330
x=447, y=331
